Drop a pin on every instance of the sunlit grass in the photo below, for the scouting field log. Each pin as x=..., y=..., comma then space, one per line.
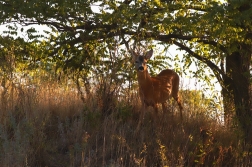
x=49, y=125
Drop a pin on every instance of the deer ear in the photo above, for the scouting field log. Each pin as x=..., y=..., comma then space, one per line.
x=134, y=55
x=149, y=54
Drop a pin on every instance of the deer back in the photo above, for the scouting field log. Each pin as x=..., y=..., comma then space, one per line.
x=158, y=89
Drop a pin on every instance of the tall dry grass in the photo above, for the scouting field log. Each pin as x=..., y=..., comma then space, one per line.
x=49, y=125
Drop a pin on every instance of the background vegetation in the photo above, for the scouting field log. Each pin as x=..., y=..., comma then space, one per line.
x=69, y=95
x=49, y=124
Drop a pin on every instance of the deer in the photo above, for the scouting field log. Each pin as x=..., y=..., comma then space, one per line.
x=155, y=89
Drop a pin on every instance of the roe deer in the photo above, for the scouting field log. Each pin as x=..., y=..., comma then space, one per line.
x=158, y=89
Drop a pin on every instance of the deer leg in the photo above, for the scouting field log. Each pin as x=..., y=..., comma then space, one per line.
x=155, y=113
x=142, y=114
x=167, y=109
x=176, y=97
x=155, y=108
x=164, y=107
x=178, y=100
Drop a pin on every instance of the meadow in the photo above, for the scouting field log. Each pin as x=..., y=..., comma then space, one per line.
x=49, y=124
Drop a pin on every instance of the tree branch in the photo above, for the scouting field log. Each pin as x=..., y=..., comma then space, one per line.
x=215, y=44
x=219, y=74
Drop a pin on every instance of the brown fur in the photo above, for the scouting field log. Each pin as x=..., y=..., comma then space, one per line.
x=157, y=89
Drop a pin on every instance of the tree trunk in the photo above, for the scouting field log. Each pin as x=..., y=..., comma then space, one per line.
x=228, y=104
x=237, y=67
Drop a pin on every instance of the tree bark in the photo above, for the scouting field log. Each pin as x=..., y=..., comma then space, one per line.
x=228, y=104
x=237, y=67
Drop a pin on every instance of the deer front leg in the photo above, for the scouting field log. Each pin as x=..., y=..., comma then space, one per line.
x=142, y=115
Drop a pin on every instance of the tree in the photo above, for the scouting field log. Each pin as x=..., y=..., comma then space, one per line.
x=218, y=35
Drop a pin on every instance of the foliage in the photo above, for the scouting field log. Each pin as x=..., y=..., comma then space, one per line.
x=49, y=125
x=86, y=39
x=78, y=28
x=207, y=30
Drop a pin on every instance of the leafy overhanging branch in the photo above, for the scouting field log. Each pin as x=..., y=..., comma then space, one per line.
x=93, y=28
x=219, y=74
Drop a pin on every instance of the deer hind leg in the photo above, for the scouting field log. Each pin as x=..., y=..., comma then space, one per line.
x=154, y=114
x=166, y=108
x=179, y=103
x=177, y=99
x=155, y=108
x=167, y=112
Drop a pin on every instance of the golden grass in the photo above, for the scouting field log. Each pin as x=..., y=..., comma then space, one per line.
x=49, y=125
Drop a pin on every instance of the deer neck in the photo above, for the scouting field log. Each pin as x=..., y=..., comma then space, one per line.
x=143, y=78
